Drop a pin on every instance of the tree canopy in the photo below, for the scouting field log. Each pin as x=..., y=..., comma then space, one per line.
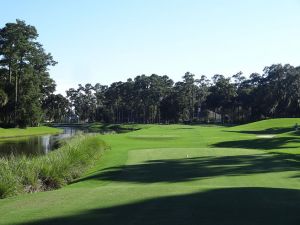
x=24, y=79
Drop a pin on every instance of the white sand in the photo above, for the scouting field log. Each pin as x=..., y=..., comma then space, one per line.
x=266, y=136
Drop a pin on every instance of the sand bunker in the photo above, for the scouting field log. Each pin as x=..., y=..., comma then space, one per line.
x=266, y=136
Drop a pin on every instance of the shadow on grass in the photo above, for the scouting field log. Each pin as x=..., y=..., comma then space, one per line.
x=295, y=133
x=186, y=169
x=229, y=206
x=275, y=130
x=118, y=128
x=261, y=143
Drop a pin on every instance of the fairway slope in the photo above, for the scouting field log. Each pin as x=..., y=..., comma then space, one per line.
x=270, y=126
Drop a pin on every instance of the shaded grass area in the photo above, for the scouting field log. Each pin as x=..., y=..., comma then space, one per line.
x=120, y=128
x=227, y=206
x=19, y=174
x=262, y=143
x=18, y=132
x=277, y=125
x=275, y=130
x=196, y=168
x=177, y=174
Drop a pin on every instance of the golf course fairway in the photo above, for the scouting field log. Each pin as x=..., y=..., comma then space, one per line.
x=179, y=174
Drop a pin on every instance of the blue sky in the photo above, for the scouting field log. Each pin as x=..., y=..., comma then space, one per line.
x=106, y=41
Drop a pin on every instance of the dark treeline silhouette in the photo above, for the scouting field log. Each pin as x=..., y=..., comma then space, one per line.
x=157, y=99
x=27, y=92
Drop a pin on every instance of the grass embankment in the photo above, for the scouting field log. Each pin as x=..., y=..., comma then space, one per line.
x=272, y=126
x=22, y=174
x=18, y=132
x=179, y=174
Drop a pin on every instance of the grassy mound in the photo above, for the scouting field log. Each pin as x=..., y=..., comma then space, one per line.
x=271, y=125
x=51, y=171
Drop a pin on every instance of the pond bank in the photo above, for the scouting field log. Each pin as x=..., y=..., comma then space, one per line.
x=33, y=141
x=100, y=127
x=30, y=131
x=56, y=169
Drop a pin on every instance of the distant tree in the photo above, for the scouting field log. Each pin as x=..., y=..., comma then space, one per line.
x=221, y=97
x=170, y=108
x=186, y=92
x=202, y=92
x=100, y=98
x=56, y=107
x=84, y=101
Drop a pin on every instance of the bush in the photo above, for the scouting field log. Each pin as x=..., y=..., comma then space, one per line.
x=51, y=171
x=9, y=182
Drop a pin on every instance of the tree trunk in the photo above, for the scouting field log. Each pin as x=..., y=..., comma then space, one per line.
x=9, y=72
x=16, y=97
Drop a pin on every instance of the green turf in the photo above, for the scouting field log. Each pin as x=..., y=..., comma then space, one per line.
x=177, y=174
x=18, y=132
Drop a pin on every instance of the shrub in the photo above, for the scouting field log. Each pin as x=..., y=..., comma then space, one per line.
x=51, y=171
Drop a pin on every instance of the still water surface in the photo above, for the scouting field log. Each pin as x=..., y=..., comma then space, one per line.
x=36, y=145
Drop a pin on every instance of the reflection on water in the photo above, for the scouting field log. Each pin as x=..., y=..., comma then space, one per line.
x=36, y=145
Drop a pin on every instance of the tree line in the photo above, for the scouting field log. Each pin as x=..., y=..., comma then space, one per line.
x=157, y=99
x=27, y=92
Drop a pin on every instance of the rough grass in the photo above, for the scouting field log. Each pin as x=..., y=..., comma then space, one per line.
x=23, y=174
x=206, y=175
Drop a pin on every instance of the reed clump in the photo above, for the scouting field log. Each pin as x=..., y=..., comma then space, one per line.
x=23, y=174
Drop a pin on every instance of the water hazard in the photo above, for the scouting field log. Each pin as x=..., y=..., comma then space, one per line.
x=36, y=145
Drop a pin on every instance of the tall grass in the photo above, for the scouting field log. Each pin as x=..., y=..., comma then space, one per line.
x=23, y=174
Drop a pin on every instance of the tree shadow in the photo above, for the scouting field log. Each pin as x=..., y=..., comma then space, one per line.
x=274, y=130
x=227, y=206
x=295, y=133
x=260, y=143
x=187, y=169
x=118, y=128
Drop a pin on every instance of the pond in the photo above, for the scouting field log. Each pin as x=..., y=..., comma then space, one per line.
x=36, y=145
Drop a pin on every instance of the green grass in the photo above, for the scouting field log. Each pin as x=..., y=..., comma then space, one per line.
x=18, y=132
x=177, y=174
